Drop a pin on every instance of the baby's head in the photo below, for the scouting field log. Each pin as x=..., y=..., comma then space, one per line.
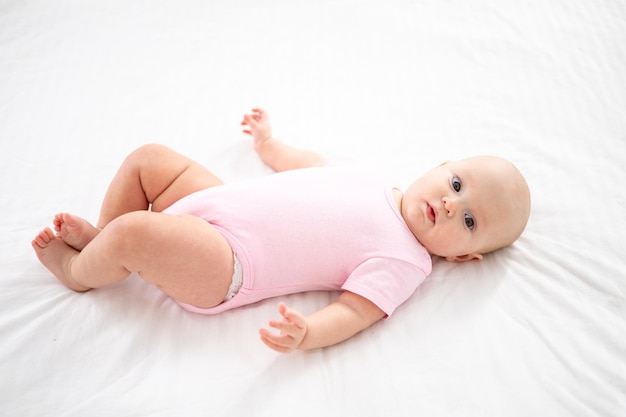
x=464, y=209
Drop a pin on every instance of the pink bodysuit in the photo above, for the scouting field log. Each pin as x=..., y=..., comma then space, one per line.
x=310, y=229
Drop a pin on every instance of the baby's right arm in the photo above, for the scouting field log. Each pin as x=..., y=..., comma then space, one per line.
x=277, y=155
x=336, y=322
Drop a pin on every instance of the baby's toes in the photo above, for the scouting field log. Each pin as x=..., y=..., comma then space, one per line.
x=58, y=221
x=44, y=237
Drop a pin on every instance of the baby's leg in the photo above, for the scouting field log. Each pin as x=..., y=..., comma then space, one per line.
x=154, y=177
x=184, y=256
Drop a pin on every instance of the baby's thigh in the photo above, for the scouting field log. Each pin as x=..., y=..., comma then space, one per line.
x=189, y=259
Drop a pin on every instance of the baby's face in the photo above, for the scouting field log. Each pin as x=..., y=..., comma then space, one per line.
x=463, y=209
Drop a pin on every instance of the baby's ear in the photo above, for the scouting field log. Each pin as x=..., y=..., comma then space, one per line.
x=465, y=258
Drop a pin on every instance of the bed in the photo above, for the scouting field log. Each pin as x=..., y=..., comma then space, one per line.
x=536, y=329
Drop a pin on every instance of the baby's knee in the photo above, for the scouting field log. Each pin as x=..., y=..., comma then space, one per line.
x=148, y=152
x=130, y=228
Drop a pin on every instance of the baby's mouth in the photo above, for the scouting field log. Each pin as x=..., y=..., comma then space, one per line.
x=430, y=212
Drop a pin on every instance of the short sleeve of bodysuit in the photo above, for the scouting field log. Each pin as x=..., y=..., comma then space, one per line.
x=387, y=282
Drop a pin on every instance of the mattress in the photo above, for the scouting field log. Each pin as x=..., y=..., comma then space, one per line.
x=536, y=329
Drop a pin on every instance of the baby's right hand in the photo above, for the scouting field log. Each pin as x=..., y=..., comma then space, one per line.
x=259, y=126
x=293, y=328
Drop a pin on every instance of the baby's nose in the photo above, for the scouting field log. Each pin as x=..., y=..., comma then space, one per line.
x=449, y=205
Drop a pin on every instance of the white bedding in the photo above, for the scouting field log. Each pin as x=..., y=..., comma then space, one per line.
x=537, y=329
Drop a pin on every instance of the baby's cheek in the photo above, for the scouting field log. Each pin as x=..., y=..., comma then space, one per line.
x=447, y=242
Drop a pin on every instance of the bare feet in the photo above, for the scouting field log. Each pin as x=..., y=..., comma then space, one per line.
x=57, y=256
x=75, y=231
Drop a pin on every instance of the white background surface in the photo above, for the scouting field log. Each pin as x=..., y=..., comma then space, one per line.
x=534, y=330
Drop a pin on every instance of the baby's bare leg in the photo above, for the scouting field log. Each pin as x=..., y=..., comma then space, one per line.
x=153, y=177
x=182, y=255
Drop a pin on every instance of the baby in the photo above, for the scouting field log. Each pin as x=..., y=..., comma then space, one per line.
x=213, y=247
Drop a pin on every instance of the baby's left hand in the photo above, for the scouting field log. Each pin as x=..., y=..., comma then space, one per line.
x=292, y=328
x=259, y=128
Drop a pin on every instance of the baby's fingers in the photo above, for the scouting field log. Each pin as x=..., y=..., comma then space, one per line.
x=287, y=327
x=280, y=343
x=276, y=347
x=291, y=316
x=248, y=120
x=259, y=112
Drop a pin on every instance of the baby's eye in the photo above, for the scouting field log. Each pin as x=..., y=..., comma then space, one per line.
x=456, y=184
x=469, y=222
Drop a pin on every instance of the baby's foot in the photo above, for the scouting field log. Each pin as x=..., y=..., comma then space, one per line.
x=57, y=256
x=75, y=231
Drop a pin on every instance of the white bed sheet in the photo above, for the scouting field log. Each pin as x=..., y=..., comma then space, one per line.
x=537, y=329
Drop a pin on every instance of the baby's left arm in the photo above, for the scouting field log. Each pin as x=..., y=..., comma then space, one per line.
x=277, y=155
x=338, y=321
